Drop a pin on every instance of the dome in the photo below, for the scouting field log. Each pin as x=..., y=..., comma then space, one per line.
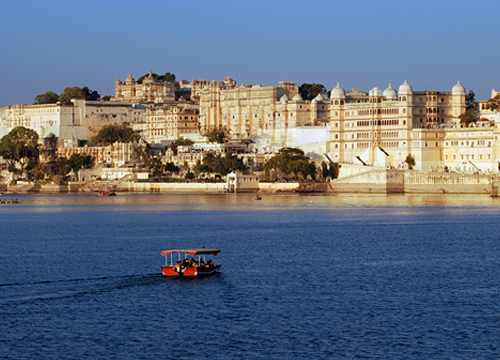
x=375, y=92
x=319, y=98
x=130, y=80
x=405, y=89
x=284, y=99
x=458, y=89
x=297, y=97
x=390, y=93
x=118, y=82
x=337, y=92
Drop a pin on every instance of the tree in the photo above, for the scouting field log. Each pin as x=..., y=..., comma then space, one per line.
x=78, y=161
x=89, y=94
x=331, y=172
x=310, y=91
x=471, y=112
x=222, y=165
x=493, y=104
x=109, y=134
x=410, y=160
x=288, y=161
x=172, y=168
x=217, y=136
x=69, y=93
x=165, y=77
x=20, y=145
x=76, y=92
x=106, y=98
x=180, y=142
x=60, y=166
x=46, y=98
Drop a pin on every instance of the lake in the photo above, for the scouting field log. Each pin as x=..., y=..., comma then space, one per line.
x=303, y=276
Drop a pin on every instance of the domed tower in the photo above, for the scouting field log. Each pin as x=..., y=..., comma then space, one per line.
x=118, y=88
x=390, y=93
x=128, y=91
x=337, y=102
x=458, y=100
x=405, y=104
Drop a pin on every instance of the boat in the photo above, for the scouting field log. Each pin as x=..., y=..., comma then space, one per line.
x=104, y=192
x=258, y=197
x=186, y=263
x=10, y=201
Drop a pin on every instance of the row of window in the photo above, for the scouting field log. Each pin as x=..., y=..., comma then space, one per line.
x=472, y=157
x=467, y=143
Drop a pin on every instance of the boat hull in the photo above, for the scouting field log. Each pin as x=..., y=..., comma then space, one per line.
x=189, y=271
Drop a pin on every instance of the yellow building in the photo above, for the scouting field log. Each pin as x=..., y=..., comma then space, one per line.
x=74, y=123
x=150, y=91
x=170, y=123
x=381, y=128
x=267, y=114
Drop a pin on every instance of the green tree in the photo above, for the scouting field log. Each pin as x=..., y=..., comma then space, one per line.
x=92, y=95
x=69, y=93
x=222, y=165
x=76, y=92
x=310, y=91
x=106, y=98
x=109, y=134
x=151, y=162
x=290, y=161
x=410, y=160
x=60, y=166
x=46, y=98
x=217, y=136
x=20, y=145
x=471, y=113
x=172, y=168
x=493, y=104
x=165, y=77
x=78, y=161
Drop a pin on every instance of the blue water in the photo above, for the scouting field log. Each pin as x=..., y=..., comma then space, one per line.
x=350, y=276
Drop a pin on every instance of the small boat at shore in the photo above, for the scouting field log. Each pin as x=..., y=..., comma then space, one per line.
x=258, y=197
x=9, y=201
x=187, y=264
x=105, y=192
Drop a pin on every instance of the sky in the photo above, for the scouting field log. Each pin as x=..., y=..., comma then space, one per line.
x=51, y=45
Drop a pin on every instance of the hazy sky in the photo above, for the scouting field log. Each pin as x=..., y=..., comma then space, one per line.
x=50, y=45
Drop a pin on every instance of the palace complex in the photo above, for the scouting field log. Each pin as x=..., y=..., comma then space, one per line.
x=376, y=128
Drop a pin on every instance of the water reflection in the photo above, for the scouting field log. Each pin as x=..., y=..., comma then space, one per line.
x=214, y=202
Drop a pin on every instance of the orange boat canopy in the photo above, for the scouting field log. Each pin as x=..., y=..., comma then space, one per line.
x=193, y=251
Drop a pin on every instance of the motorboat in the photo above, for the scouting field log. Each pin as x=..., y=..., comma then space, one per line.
x=258, y=197
x=190, y=262
x=105, y=192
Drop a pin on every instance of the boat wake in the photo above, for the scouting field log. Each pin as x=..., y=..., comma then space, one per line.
x=46, y=290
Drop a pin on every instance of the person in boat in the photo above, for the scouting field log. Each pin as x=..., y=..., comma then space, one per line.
x=210, y=263
x=179, y=264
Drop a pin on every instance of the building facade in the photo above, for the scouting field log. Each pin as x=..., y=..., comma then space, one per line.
x=366, y=128
x=74, y=123
x=170, y=123
x=150, y=91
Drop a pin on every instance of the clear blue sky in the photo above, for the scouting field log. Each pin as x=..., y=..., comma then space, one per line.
x=50, y=45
